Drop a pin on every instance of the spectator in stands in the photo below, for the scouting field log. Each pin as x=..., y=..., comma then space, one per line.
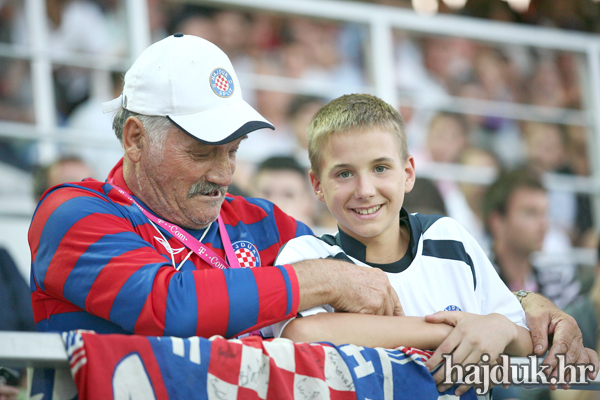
x=317, y=45
x=75, y=26
x=516, y=215
x=284, y=182
x=546, y=87
x=15, y=297
x=447, y=137
x=94, y=129
x=425, y=198
x=465, y=201
x=299, y=114
x=65, y=169
x=15, y=310
x=194, y=20
x=8, y=392
x=496, y=79
x=546, y=152
x=577, y=154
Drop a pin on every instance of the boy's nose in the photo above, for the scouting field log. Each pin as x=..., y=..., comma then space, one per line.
x=365, y=188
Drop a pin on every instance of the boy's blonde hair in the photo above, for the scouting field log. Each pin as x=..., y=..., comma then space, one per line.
x=352, y=112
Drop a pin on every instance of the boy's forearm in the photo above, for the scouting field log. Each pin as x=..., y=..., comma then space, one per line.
x=367, y=330
x=521, y=345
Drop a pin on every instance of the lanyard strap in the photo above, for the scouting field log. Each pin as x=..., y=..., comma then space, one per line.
x=191, y=242
x=231, y=257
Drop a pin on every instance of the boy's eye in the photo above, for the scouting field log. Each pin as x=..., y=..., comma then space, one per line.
x=380, y=168
x=344, y=174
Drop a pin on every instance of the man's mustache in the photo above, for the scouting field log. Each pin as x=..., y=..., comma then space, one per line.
x=206, y=188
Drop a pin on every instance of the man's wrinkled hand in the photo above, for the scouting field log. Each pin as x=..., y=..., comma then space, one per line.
x=367, y=291
x=543, y=319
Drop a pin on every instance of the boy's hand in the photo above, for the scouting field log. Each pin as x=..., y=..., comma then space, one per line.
x=544, y=318
x=472, y=336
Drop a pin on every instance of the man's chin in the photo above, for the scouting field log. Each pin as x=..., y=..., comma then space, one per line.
x=211, y=212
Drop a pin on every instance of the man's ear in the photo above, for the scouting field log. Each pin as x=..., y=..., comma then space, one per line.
x=410, y=176
x=134, y=139
x=316, y=184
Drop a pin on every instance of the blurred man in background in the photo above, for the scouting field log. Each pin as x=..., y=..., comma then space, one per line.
x=284, y=182
x=516, y=215
x=65, y=169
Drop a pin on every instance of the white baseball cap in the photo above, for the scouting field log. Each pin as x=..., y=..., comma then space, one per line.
x=192, y=82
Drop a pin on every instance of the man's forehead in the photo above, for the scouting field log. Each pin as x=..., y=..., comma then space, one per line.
x=526, y=196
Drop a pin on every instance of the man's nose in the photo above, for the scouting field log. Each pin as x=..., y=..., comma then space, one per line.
x=221, y=171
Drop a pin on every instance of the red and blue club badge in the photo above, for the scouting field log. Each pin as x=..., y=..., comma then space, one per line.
x=221, y=82
x=247, y=254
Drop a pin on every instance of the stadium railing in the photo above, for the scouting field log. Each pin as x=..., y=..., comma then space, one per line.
x=47, y=350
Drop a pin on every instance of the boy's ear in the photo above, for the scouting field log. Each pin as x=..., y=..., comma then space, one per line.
x=409, y=171
x=134, y=136
x=316, y=184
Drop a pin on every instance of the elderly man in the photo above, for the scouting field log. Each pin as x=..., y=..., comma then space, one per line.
x=160, y=248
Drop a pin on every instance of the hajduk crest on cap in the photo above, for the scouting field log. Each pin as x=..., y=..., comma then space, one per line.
x=221, y=82
x=169, y=79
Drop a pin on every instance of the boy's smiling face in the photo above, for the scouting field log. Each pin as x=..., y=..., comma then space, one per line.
x=363, y=181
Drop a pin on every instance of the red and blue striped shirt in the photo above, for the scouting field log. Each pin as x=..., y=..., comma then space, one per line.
x=99, y=264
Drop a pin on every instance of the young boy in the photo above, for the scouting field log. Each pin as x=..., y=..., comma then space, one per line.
x=360, y=167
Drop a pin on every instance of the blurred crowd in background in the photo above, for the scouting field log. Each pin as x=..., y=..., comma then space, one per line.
x=429, y=71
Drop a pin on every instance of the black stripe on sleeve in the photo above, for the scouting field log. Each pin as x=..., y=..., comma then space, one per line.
x=449, y=250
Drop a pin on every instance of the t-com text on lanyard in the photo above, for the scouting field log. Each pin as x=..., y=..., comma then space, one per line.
x=191, y=242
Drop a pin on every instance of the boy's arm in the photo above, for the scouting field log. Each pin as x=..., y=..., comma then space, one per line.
x=367, y=330
x=473, y=336
x=522, y=345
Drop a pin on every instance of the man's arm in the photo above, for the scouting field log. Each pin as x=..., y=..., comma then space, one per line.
x=367, y=330
x=87, y=255
x=346, y=287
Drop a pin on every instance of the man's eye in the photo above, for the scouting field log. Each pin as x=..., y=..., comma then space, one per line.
x=380, y=168
x=345, y=174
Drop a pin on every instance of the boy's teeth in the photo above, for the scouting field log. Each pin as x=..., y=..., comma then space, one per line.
x=368, y=210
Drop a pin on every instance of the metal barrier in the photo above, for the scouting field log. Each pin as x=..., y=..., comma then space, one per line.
x=47, y=350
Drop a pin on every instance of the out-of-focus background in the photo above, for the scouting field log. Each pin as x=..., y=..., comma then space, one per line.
x=484, y=86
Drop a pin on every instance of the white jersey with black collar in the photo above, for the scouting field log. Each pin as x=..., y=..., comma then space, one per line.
x=449, y=270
